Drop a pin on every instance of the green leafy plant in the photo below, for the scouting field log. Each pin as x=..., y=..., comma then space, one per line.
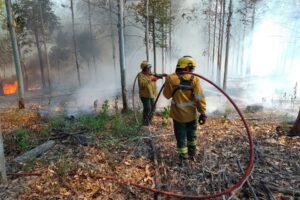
x=22, y=138
x=165, y=115
x=124, y=125
x=105, y=107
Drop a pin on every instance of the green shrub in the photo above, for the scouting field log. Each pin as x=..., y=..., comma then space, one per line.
x=165, y=115
x=124, y=125
x=57, y=122
x=22, y=138
x=94, y=122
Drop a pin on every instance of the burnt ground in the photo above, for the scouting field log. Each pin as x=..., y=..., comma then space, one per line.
x=148, y=157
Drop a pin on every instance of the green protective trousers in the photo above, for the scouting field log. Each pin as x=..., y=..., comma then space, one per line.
x=185, y=134
x=148, y=105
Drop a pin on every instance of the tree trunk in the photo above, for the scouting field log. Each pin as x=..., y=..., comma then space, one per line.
x=208, y=48
x=23, y=67
x=49, y=78
x=170, y=36
x=122, y=55
x=238, y=54
x=15, y=53
x=38, y=46
x=243, y=51
x=227, y=45
x=91, y=36
x=214, y=40
x=295, y=131
x=26, y=79
x=112, y=36
x=249, y=62
x=75, y=44
x=163, y=49
x=222, y=37
x=154, y=43
x=2, y=159
x=220, y=41
x=147, y=29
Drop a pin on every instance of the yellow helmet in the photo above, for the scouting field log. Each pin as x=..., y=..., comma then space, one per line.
x=186, y=61
x=145, y=65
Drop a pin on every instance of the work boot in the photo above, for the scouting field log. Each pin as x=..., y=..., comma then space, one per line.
x=183, y=160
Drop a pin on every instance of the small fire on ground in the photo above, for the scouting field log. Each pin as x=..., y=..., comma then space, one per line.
x=10, y=88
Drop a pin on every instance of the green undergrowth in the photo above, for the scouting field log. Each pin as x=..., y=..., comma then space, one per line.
x=110, y=129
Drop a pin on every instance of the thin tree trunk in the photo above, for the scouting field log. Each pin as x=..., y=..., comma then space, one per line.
x=75, y=44
x=222, y=37
x=91, y=35
x=26, y=79
x=249, y=61
x=15, y=53
x=49, y=78
x=147, y=28
x=227, y=45
x=219, y=67
x=208, y=48
x=154, y=43
x=170, y=36
x=295, y=131
x=112, y=36
x=214, y=39
x=122, y=55
x=242, y=51
x=25, y=74
x=2, y=160
x=38, y=46
x=238, y=54
x=162, y=49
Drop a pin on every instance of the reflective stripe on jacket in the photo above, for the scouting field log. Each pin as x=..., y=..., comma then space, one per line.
x=147, y=88
x=185, y=103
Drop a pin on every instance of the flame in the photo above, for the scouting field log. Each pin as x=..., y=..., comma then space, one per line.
x=10, y=88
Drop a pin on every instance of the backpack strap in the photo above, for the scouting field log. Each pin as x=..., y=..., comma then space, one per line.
x=184, y=85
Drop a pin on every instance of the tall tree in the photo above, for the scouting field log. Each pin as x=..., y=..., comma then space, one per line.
x=49, y=77
x=75, y=43
x=295, y=131
x=159, y=18
x=227, y=44
x=122, y=54
x=2, y=159
x=28, y=17
x=16, y=54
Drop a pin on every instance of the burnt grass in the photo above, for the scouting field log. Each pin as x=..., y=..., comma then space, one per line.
x=113, y=144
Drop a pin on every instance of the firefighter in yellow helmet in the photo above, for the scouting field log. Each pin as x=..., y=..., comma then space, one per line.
x=187, y=98
x=147, y=90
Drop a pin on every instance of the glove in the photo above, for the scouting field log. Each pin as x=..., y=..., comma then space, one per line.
x=154, y=78
x=158, y=76
x=202, y=118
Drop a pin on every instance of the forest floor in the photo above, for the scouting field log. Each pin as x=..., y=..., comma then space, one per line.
x=90, y=147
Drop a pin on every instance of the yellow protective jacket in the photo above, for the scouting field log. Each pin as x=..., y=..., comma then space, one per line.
x=147, y=88
x=185, y=102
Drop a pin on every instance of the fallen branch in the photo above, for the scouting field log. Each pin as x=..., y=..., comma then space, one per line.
x=39, y=150
x=157, y=174
x=247, y=181
x=284, y=191
x=267, y=191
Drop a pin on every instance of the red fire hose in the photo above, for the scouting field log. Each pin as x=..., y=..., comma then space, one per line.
x=233, y=188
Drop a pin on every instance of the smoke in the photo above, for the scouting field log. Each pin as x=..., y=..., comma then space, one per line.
x=275, y=56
